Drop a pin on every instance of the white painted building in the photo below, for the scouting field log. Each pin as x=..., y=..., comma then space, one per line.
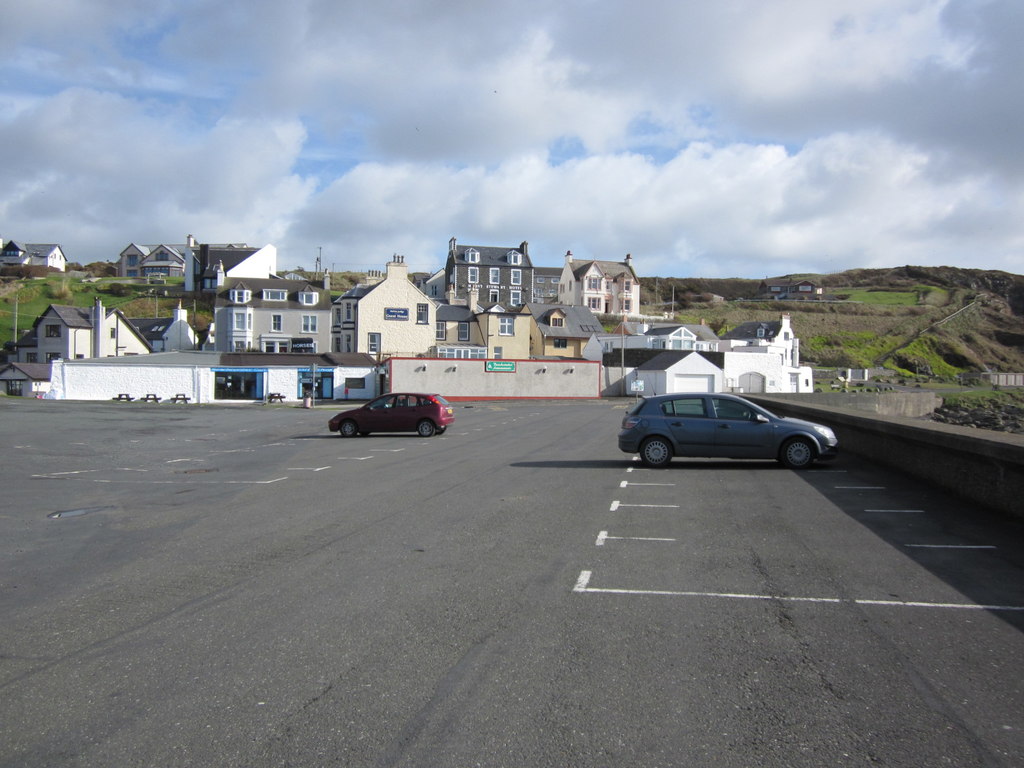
x=387, y=316
x=208, y=377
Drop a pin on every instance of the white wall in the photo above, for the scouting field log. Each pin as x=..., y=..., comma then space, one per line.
x=94, y=380
x=468, y=379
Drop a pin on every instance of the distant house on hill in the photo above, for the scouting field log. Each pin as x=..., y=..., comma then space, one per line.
x=784, y=289
x=161, y=260
x=213, y=264
x=33, y=255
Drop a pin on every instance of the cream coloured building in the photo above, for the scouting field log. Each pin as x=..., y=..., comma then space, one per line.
x=386, y=316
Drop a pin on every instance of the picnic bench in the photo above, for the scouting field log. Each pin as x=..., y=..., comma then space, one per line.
x=275, y=397
x=150, y=398
x=181, y=397
x=124, y=397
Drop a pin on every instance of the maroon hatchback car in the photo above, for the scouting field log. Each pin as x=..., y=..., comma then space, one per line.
x=425, y=415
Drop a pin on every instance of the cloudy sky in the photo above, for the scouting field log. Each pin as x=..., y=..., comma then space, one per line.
x=734, y=138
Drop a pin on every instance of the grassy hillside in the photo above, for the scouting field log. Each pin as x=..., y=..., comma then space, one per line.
x=914, y=320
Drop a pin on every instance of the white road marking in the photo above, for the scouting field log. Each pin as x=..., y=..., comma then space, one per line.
x=626, y=483
x=165, y=482
x=603, y=536
x=307, y=469
x=388, y=450
x=583, y=586
x=616, y=505
x=354, y=458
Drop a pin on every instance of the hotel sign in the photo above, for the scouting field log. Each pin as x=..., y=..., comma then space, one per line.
x=396, y=313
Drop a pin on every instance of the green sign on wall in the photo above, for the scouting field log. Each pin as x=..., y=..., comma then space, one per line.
x=500, y=366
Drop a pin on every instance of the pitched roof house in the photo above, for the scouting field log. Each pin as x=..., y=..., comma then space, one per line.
x=167, y=334
x=212, y=265
x=159, y=260
x=272, y=315
x=605, y=287
x=386, y=316
x=64, y=332
x=562, y=330
x=33, y=255
x=502, y=275
x=25, y=379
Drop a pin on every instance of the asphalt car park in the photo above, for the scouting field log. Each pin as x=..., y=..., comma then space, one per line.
x=243, y=588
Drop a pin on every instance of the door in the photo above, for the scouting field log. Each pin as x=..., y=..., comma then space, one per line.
x=686, y=420
x=377, y=416
x=690, y=382
x=738, y=432
x=752, y=382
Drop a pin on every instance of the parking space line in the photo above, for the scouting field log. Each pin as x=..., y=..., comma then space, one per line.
x=616, y=505
x=583, y=586
x=603, y=536
x=626, y=483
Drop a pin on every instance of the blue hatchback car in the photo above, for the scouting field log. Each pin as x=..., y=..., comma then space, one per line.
x=720, y=426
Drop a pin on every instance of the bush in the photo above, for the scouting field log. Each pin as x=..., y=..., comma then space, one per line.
x=119, y=289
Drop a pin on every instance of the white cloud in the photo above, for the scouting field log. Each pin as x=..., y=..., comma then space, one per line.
x=727, y=138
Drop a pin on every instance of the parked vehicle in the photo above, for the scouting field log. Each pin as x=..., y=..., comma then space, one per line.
x=426, y=415
x=720, y=426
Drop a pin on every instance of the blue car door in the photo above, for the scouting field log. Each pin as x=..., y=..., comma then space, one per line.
x=738, y=432
x=686, y=419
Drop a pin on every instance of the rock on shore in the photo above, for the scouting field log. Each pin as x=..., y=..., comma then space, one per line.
x=994, y=416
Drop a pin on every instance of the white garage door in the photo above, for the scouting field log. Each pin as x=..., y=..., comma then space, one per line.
x=693, y=383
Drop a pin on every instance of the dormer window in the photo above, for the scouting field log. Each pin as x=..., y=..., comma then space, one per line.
x=473, y=256
x=515, y=257
x=241, y=296
x=275, y=294
x=307, y=298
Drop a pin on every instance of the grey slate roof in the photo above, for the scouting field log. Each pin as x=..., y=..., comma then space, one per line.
x=492, y=255
x=230, y=257
x=454, y=313
x=579, y=321
x=257, y=285
x=749, y=330
x=33, y=371
x=702, y=332
x=612, y=269
x=152, y=328
x=667, y=359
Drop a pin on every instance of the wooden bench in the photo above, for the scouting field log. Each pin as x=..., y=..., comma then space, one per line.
x=275, y=397
x=124, y=397
x=150, y=399
x=181, y=397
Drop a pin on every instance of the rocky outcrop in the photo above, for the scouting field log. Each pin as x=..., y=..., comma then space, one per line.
x=994, y=416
